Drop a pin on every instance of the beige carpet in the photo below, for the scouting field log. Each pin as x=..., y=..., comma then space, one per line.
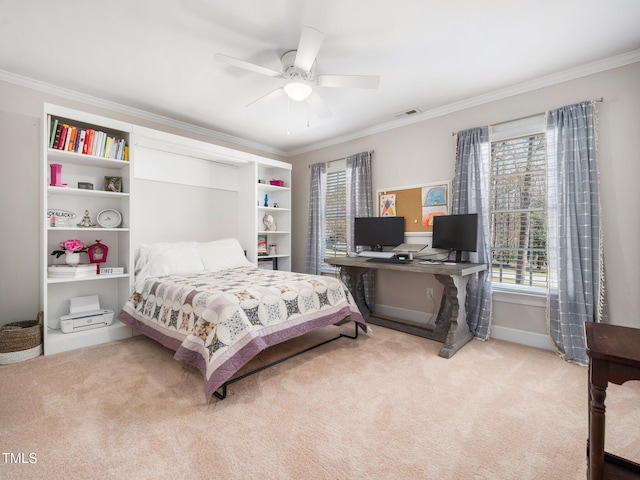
x=381, y=407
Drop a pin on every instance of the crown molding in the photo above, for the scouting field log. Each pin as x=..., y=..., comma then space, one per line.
x=134, y=112
x=542, y=82
x=546, y=81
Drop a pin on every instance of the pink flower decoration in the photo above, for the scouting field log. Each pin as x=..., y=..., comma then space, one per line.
x=72, y=245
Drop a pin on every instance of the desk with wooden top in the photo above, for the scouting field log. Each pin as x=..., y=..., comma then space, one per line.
x=450, y=328
x=614, y=357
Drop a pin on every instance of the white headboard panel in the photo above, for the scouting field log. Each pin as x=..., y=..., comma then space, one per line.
x=151, y=164
x=167, y=212
x=185, y=190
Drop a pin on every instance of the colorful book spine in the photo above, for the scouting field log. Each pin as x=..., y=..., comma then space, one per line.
x=96, y=144
x=71, y=138
x=56, y=139
x=81, y=137
x=88, y=138
x=54, y=129
x=63, y=137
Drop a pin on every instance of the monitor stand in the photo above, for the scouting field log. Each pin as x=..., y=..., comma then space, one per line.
x=459, y=257
x=409, y=248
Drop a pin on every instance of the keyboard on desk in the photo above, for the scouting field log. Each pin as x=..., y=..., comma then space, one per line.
x=374, y=254
x=388, y=260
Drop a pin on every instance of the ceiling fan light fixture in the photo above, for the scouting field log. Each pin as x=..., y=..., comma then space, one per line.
x=297, y=90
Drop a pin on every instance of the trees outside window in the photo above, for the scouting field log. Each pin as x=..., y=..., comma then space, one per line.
x=518, y=211
x=336, y=212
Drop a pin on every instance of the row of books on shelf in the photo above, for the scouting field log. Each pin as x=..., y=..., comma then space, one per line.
x=81, y=270
x=87, y=141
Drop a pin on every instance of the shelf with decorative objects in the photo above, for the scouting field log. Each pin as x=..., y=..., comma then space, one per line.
x=265, y=196
x=274, y=214
x=86, y=206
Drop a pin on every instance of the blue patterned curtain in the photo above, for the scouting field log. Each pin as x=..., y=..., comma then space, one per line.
x=360, y=204
x=315, y=230
x=576, y=272
x=470, y=195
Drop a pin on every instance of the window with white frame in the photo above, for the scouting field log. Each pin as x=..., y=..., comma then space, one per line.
x=518, y=206
x=336, y=210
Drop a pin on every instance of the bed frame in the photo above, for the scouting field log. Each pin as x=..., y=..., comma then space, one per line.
x=221, y=393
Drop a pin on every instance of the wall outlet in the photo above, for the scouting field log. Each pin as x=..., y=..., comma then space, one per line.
x=430, y=292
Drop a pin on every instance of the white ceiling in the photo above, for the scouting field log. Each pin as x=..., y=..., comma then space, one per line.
x=158, y=55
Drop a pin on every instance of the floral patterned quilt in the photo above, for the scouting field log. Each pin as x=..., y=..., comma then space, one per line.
x=219, y=321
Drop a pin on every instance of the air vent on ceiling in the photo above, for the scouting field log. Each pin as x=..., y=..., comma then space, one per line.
x=408, y=113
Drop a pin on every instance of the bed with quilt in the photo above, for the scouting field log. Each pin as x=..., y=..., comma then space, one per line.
x=217, y=310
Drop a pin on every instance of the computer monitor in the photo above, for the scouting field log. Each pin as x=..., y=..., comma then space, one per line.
x=457, y=233
x=378, y=232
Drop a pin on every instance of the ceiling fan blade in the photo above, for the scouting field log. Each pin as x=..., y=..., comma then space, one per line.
x=349, y=81
x=318, y=106
x=247, y=66
x=308, y=47
x=278, y=92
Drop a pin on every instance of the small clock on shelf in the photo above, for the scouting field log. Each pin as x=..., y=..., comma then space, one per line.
x=109, y=218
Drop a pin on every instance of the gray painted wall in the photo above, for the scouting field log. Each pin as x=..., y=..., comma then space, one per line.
x=417, y=153
x=425, y=152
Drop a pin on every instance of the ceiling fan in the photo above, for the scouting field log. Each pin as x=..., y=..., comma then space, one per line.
x=298, y=69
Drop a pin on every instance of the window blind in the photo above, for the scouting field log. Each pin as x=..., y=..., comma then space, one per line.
x=518, y=210
x=336, y=213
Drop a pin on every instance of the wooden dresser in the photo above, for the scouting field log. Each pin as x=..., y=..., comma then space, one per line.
x=614, y=353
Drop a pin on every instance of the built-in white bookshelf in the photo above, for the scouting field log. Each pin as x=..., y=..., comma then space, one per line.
x=266, y=191
x=274, y=185
x=162, y=157
x=79, y=189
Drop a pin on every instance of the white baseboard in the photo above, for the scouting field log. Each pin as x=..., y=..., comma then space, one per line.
x=405, y=314
x=522, y=337
x=531, y=339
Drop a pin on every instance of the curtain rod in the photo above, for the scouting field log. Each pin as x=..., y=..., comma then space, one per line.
x=597, y=100
x=371, y=152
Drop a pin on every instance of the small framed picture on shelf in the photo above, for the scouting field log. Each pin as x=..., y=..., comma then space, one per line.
x=262, y=245
x=113, y=184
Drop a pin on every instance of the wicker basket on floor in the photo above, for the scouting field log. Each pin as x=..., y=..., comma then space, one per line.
x=20, y=341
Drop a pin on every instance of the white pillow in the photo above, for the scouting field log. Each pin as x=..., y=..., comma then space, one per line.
x=223, y=254
x=179, y=258
x=142, y=257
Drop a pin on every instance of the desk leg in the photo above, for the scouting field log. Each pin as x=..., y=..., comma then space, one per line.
x=451, y=324
x=598, y=373
x=355, y=283
x=454, y=314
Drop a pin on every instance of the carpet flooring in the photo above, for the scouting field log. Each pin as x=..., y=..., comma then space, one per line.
x=384, y=406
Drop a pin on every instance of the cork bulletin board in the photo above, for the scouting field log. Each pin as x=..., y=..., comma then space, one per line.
x=418, y=204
